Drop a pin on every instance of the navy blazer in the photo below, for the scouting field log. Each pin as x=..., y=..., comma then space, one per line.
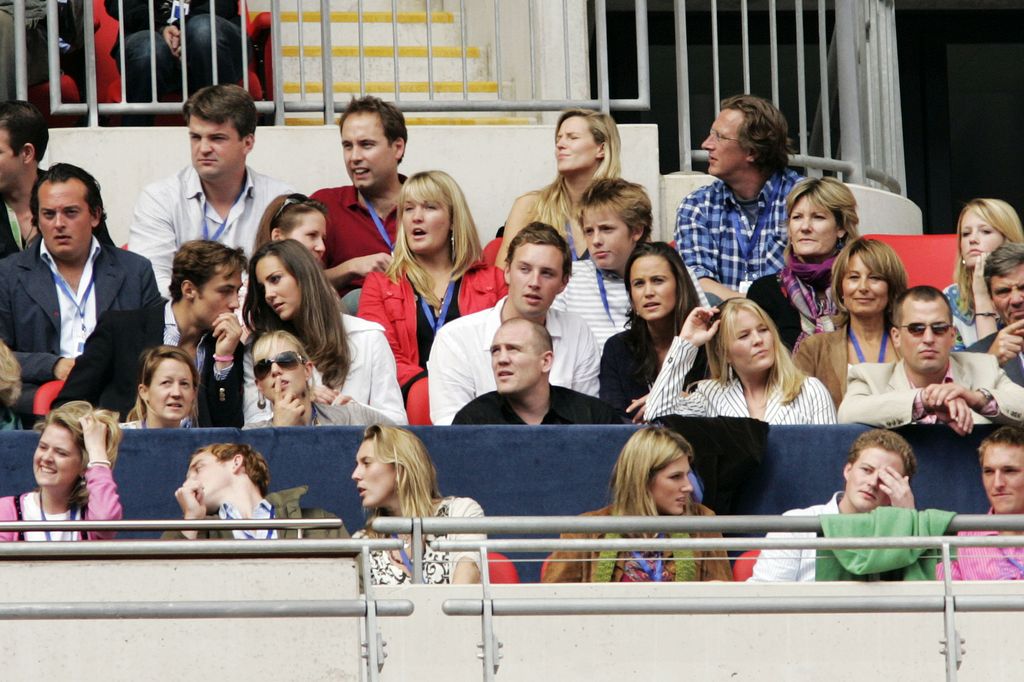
x=30, y=310
x=107, y=372
x=1013, y=368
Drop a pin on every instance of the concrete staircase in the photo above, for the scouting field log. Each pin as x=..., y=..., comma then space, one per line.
x=302, y=52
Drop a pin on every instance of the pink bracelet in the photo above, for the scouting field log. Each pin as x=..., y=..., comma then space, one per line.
x=224, y=358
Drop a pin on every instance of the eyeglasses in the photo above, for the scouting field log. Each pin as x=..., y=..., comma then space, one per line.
x=289, y=200
x=719, y=137
x=286, y=360
x=918, y=328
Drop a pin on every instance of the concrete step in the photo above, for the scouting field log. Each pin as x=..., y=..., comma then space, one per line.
x=380, y=69
x=345, y=31
x=411, y=90
x=453, y=119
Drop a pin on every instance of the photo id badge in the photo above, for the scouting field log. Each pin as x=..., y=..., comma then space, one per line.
x=179, y=10
x=745, y=286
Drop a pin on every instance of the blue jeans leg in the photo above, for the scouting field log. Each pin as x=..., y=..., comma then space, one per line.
x=200, y=56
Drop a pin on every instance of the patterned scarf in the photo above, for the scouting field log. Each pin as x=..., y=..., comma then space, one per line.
x=801, y=284
x=686, y=567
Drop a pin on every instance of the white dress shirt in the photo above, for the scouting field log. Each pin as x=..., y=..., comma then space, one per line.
x=792, y=565
x=372, y=375
x=173, y=211
x=459, y=367
x=77, y=314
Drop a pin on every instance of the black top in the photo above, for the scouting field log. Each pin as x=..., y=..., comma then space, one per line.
x=424, y=332
x=767, y=293
x=619, y=385
x=567, y=407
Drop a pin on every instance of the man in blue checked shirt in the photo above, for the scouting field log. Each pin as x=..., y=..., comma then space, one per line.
x=734, y=230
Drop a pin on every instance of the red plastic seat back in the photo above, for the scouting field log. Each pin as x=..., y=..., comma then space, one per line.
x=417, y=405
x=45, y=395
x=743, y=567
x=502, y=570
x=928, y=258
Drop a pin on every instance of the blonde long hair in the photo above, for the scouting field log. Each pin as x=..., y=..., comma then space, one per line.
x=647, y=452
x=783, y=377
x=1004, y=219
x=68, y=417
x=439, y=187
x=415, y=475
x=553, y=204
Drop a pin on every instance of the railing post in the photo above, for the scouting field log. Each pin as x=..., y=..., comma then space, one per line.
x=683, y=88
x=417, y=551
x=490, y=646
x=848, y=84
x=21, y=53
x=374, y=644
x=951, y=644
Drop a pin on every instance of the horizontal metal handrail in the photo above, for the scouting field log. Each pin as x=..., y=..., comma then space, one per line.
x=670, y=544
x=657, y=524
x=799, y=161
x=149, y=549
x=272, y=608
x=172, y=524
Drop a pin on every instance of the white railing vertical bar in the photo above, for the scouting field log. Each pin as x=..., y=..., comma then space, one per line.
x=870, y=73
x=465, y=42
x=52, y=53
x=565, y=48
x=430, y=52
x=373, y=644
x=90, y=68
x=824, y=99
x=601, y=29
x=183, y=45
x=643, y=51
x=326, y=64
x=683, y=87
x=801, y=76
x=952, y=637
x=360, y=55
x=848, y=85
x=773, y=49
x=121, y=47
x=745, y=41
x=21, y=52
x=899, y=165
x=243, y=21
x=497, y=45
x=714, y=56
x=491, y=648
x=300, y=23
x=215, y=73
x=394, y=44
x=417, y=551
x=533, y=49
x=277, y=63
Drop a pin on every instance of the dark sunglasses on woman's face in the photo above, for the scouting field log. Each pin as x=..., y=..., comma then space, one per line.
x=286, y=360
x=917, y=328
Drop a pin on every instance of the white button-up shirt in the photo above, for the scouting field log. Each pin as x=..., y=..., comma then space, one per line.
x=77, y=308
x=460, y=359
x=174, y=210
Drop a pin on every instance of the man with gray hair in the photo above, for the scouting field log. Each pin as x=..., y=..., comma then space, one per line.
x=1004, y=277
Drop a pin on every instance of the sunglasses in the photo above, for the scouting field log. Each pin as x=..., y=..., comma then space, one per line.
x=918, y=328
x=290, y=200
x=286, y=360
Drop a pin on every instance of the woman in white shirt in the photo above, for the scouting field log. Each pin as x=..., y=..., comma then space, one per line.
x=288, y=291
x=752, y=374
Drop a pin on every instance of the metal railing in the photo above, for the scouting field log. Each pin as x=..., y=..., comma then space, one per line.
x=367, y=607
x=488, y=607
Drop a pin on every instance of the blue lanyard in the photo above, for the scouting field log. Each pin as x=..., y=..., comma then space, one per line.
x=270, y=533
x=653, y=573
x=859, y=352
x=1016, y=564
x=72, y=517
x=224, y=225
x=604, y=295
x=80, y=308
x=568, y=238
x=438, y=322
x=747, y=246
x=406, y=562
x=380, y=224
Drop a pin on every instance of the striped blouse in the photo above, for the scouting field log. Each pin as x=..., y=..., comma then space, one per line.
x=709, y=398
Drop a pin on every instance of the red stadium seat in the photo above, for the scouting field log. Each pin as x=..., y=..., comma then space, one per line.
x=743, y=567
x=928, y=258
x=491, y=250
x=502, y=570
x=45, y=395
x=417, y=405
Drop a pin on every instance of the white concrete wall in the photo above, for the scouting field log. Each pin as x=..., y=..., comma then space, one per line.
x=494, y=165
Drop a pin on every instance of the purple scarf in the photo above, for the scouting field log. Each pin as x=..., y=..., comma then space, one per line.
x=801, y=284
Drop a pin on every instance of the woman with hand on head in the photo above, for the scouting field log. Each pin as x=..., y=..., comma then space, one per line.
x=586, y=149
x=284, y=378
x=752, y=375
x=395, y=477
x=294, y=216
x=73, y=465
x=822, y=217
x=661, y=294
x=167, y=395
x=652, y=477
x=350, y=356
x=435, y=275
x=984, y=226
x=867, y=278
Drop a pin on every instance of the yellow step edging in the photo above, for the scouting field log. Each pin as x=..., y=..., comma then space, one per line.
x=372, y=17
x=312, y=87
x=387, y=51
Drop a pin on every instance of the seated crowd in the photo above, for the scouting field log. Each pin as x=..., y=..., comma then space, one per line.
x=239, y=302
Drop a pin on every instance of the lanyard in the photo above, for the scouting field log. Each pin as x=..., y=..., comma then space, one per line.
x=438, y=322
x=653, y=573
x=568, y=238
x=1016, y=564
x=72, y=517
x=380, y=224
x=747, y=246
x=859, y=352
x=252, y=535
x=604, y=295
x=80, y=308
x=12, y=218
x=405, y=560
x=223, y=225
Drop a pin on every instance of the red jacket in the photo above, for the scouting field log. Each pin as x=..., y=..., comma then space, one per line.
x=393, y=305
